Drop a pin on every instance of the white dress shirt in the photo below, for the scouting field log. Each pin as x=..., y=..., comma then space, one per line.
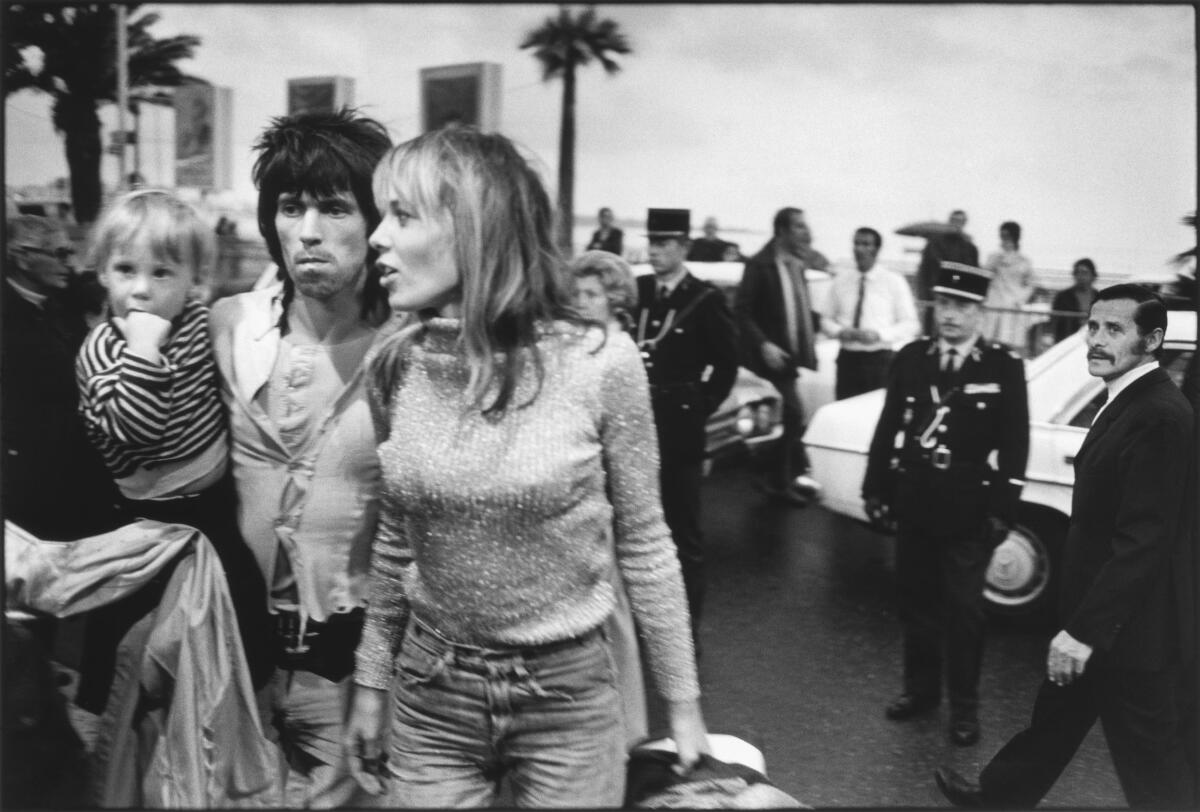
x=1119, y=384
x=961, y=351
x=887, y=308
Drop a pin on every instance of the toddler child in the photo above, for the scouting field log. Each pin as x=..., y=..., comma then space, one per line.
x=150, y=399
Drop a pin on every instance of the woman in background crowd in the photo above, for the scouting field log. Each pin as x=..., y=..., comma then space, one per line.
x=1011, y=287
x=1076, y=299
x=604, y=288
x=517, y=446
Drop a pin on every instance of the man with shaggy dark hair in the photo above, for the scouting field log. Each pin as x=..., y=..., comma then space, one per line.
x=291, y=365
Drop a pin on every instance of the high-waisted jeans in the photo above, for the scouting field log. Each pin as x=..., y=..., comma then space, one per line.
x=546, y=717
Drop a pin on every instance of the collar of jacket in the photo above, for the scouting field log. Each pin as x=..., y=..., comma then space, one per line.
x=977, y=348
x=1117, y=404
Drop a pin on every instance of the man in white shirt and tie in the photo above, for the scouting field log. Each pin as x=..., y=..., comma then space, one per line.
x=870, y=310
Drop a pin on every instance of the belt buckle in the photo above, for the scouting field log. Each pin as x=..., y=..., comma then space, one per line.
x=940, y=459
x=294, y=643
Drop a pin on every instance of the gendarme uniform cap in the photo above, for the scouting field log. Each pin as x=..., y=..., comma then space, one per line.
x=668, y=222
x=963, y=281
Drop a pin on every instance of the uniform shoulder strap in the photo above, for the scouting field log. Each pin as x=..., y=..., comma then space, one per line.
x=687, y=310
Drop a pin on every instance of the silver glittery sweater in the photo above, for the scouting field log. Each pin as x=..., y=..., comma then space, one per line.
x=495, y=532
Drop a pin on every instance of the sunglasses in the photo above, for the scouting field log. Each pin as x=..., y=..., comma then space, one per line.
x=62, y=253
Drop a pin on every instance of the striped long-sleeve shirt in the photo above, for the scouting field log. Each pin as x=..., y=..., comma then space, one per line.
x=141, y=414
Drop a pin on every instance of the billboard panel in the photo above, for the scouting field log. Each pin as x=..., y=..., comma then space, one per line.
x=461, y=94
x=203, y=136
x=319, y=94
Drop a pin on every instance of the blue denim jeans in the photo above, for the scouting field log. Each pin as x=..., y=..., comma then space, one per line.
x=548, y=718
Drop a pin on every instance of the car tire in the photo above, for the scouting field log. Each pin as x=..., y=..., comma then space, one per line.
x=1023, y=575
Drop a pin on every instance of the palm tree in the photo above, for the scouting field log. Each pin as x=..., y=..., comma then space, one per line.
x=1185, y=263
x=1184, y=257
x=561, y=44
x=69, y=52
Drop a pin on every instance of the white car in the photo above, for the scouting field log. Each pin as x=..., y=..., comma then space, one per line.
x=1063, y=398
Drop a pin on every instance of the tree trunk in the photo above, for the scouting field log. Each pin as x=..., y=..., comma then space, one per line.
x=136, y=110
x=80, y=124
x=566, y=164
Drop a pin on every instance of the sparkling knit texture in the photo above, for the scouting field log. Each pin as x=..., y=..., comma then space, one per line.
x=493, y=530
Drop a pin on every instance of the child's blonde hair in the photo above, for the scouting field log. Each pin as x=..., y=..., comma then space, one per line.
x=173, y=229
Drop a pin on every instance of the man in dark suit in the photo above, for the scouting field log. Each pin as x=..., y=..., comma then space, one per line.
x=55, y=483
x=778, y=323
x=689, y=347
x=953, y=399
x=1078, y=298
x=607, y=237
x=1127, y=604
x=710, y=247
x=955, y=246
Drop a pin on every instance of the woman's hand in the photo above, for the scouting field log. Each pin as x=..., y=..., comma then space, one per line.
x=362, y=740
x=688, y=731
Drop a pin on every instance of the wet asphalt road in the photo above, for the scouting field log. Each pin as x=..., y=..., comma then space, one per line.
x=801, y=652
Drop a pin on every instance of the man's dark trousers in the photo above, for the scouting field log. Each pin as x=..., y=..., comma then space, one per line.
x=859, y=371
x=940, y=581
x=1145, y=740
x=680, y=482
x=789, y=458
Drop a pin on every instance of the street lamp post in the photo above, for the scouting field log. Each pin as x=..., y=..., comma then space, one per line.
x=122, y=93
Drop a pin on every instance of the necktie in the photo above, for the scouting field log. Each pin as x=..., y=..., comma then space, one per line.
x=663, y=293
x=862, y=290
x=947, y=373
x=951, y=363
x=1101, y=402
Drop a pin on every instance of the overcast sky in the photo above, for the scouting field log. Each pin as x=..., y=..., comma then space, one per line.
x=1079, y=122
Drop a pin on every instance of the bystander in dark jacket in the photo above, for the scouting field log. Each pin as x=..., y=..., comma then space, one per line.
x=1078, y=298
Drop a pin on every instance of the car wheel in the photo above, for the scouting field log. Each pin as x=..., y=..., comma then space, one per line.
x=1022, y=577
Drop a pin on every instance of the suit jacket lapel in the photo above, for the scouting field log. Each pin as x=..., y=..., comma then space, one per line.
x=1113, y=410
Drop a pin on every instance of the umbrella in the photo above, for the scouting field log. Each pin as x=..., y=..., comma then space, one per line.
x=926, y=229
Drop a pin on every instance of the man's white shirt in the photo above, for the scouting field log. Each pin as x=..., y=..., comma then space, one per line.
x=1118, y=385
x=888, y=308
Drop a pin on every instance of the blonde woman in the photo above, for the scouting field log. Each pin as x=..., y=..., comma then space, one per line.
x=604, y=288
x=518, y=455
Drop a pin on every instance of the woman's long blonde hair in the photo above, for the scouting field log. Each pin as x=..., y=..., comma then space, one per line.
x=512, y=275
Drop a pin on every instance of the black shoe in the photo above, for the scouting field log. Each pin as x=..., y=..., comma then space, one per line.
x=958, y=790
x=906, y=706
x=788, y=496
x=964, y=732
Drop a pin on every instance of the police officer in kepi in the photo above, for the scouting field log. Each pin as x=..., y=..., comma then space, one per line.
x=686, y=333
x=951, y=401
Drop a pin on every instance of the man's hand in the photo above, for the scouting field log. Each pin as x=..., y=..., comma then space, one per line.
x=144, y=333
x=362, y=739
x=880, y=514
x=688, y=731
x=774, y=356
x=1066, y=659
